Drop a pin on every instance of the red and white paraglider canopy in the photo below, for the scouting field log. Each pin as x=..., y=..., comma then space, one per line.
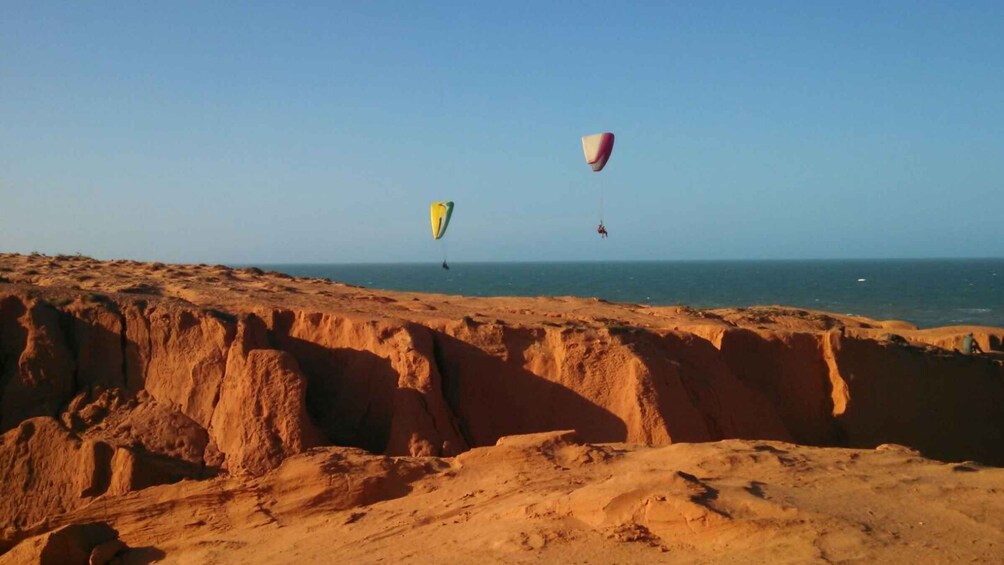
x=597, y=148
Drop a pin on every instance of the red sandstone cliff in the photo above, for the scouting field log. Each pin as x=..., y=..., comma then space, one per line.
x=118, y=376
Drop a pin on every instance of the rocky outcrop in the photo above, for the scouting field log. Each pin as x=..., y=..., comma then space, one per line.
x=48, y=470
x=791, y=370
x=373, y=384
x=39, y=373
x=185, y=358
x=137, y=421
x=261, y=415
x=944, y=405
x=93, y=543
x=835, y=389
x=106, y=392
x=622, y=385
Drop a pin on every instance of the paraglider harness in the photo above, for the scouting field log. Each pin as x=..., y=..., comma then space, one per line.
x=445, y=266
x=601, y=230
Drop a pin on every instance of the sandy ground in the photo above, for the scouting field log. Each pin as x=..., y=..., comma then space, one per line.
x=549, y=499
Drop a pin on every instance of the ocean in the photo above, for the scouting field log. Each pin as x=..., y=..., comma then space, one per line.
x=928, y=293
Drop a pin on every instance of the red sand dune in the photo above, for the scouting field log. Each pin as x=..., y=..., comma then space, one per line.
x=192, y=413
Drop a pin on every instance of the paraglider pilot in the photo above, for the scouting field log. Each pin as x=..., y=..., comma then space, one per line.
x=970, y=346
x=597, y=148
x=439, y=214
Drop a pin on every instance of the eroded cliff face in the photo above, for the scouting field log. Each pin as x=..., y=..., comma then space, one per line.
x=844, y=390
x=107, y=392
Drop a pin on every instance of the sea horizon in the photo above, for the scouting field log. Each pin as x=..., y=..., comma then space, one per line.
x=926, y=292
x=433, y=261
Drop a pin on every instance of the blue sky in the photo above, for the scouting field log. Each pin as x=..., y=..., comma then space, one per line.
x=268, y=132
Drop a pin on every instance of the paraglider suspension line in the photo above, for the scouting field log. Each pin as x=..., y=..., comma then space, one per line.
x=600, y=180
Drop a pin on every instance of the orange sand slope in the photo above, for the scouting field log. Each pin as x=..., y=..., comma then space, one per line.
x=547, y=498
x=189, y=408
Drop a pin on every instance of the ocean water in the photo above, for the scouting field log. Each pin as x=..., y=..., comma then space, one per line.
x=928, y=293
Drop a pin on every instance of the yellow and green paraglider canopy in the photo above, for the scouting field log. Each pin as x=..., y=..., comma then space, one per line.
x=440, y=213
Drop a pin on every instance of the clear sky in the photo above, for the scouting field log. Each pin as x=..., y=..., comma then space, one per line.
x=320, y=132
